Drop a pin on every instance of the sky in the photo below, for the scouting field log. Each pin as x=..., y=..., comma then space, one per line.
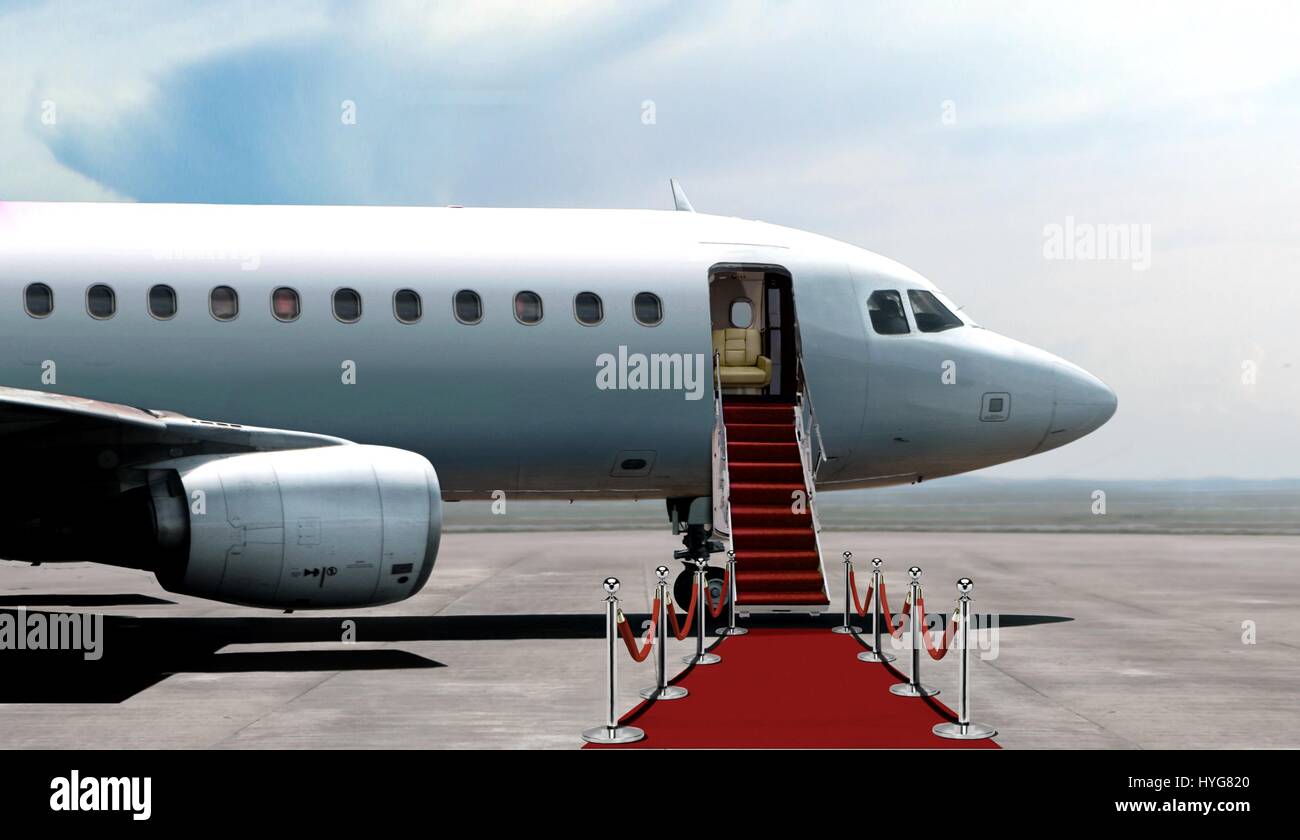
x=958, y=139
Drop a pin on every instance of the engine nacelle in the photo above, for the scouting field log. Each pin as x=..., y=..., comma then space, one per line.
x=331, y=527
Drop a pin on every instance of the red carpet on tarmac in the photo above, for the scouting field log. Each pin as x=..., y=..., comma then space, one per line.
x=792, y=688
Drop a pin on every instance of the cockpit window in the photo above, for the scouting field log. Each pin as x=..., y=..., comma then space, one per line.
x=886, y=309
x=931, y=315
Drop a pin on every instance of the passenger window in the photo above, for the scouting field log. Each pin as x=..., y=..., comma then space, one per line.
x=742, y=313
x=528, y=307
x=930, y=314
x=162, y=302
x=347, y=305
x=101, y=302
x=648, y=309
x=407, y=307
x=468, y=307
x=886, y=309
x=38, y=300
x=285, y=304
x=223, y=303
x=588, y=308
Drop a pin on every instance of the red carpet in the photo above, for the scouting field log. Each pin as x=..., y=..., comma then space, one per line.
x=791, y=688
x=776, y=549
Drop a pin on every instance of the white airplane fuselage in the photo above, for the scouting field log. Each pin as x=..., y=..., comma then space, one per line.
x=500, y=405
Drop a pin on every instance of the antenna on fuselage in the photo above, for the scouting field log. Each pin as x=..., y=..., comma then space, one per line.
x=680, y=201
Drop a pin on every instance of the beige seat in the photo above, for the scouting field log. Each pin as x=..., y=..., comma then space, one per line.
x=741, y=365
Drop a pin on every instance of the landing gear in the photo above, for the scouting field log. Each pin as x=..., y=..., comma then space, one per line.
x=713, y=576
x=690, y=519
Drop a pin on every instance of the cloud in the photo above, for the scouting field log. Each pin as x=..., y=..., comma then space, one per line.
x=101, y=64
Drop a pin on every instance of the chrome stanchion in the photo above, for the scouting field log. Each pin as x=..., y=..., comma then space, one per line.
x=878, y=654
x=611, y=732
x=701, y=656
x=963, y=729
x=847, y=626
x=913, y=687
x=731, y=629
x=661, y=690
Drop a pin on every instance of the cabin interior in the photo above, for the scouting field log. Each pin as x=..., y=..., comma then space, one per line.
x=752, y=310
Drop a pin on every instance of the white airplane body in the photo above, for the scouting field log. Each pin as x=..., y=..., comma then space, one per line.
x=540, y=353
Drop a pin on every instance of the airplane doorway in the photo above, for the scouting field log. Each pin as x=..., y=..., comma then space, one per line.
x=763, y=461
x=752, y=312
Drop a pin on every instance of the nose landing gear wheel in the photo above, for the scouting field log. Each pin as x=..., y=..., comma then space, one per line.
x=714, y=578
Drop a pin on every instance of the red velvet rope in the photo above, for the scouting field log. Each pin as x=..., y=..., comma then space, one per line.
x=853, y=587
x=948, y=634
x=716, y=611
x=897, y=632
x=884, y=604
x=639, y=654
x=679, y=631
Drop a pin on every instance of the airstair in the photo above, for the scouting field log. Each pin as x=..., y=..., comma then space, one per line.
x=767, y=452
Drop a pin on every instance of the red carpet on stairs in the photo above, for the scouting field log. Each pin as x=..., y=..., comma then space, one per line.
x=776, y=548
x=790, y=688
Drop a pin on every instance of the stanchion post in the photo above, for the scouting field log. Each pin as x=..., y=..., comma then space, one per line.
x=879, y=654
x=963, y=729
x=611, y=732
x=701, y=656
x=913, y=686
x=731, y=629
x=847, y=626
x=661, y=690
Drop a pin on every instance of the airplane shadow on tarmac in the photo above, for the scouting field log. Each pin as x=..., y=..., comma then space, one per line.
x=140, y=652
x=58, y=600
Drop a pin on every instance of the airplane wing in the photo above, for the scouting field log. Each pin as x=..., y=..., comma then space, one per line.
x=67, y=459
x=240, y=514
x=41, y=421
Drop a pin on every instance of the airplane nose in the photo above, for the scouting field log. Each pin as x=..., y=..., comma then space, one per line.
x=1083, y=404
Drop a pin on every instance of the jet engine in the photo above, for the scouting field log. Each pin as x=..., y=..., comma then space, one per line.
x=334, y=526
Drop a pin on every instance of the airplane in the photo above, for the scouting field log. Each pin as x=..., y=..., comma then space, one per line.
x=269, y=405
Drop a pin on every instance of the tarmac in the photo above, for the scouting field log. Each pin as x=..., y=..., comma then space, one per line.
x=1102, y=641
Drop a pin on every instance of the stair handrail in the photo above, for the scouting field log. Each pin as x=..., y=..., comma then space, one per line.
x=722, y=483
x=811, y=466
x=805, y=464
x=806, y=398
x=809, y=482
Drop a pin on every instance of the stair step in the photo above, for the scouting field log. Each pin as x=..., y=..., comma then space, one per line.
x=755, y=492
x=775, y=516
x=758, y=413
x=777, y=432
x=765, y=537
x=767, y=452
x=786, y=581
x=793, y=599
x=776, y=559
x=751, y=471
x=777, y=562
